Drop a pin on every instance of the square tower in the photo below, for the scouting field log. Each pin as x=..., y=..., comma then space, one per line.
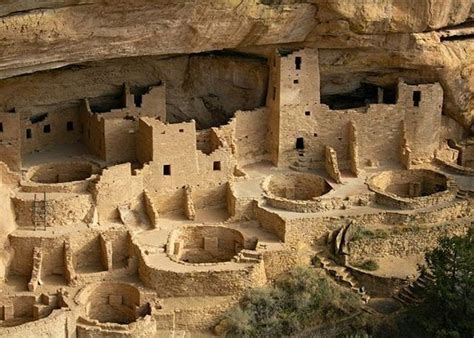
x=294, y=88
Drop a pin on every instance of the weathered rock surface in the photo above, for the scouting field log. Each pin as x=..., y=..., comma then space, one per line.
x=375, y=41
x=206, y=87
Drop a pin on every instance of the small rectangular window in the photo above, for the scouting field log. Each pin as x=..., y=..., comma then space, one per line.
x=298, y=62
x=216, y=166
x=181, y=130
x=167, y=170
x=69, y=126
x=28, y=133
x=296, y=81
x=416, y=98
x=47, y=129
x=1, y=127
x=307, y=113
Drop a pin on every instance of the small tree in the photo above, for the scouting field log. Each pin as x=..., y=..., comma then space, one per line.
x=448, y=306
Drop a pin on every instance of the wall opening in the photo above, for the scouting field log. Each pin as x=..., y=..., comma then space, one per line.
x=307, y=113
x=28, y=133
x=361, y=97
x=300, y=143
x=138, y=100
x=296, y=81
x=216, y=166
x=298, y=62
x=167, y=170
x=38, y=118
x=416, y=98
x=47, y=129
x=69, y=126
x=390, y=95
x=1, y=127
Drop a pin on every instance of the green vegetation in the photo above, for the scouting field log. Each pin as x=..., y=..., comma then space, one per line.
x=363, y=233
x=448, y=306
x=302, y=299
x=368, y=264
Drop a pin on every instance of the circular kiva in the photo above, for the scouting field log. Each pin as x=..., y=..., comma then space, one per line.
x=412, y=189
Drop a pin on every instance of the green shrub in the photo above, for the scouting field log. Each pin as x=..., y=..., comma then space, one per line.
x=302, y=298
x=368, y=264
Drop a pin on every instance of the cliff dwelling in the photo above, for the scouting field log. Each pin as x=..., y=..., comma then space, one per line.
x=151, y=179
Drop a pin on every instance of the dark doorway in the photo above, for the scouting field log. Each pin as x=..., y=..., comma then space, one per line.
x=298, y=62
x=416, y=98
x=300, y=143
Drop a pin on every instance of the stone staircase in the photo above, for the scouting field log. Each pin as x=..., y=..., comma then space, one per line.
x=462, y=194
x=248, y=256
x=410, y=294
x=341, y=275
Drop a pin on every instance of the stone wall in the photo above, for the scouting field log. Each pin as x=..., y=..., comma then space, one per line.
x=250, y=135
x=218, y=282
x=117, y=186
x=412, y=189
x=61, y=209
x=306, y=127
x=404, y=241
x=10, y=140
x=332, y=166
x=39, y=131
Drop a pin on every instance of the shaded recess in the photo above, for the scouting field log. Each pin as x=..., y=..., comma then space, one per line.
x=119, y=303
x=206, y=244
x=298, y=186
x=60, y=172
x=410, y=183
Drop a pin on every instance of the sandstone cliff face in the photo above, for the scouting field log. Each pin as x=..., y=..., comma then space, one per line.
x=363, y=40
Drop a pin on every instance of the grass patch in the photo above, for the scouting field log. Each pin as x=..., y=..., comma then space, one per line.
x=368, y=265
x=363, y=233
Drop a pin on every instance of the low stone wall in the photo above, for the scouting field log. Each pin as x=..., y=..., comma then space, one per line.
x=309, y=229
x=206, y=244
x=295, y=186
x=150, y=208
x=239, y=208
x=205, y=316
x=60, y=177
x=61, y=209
x=143, y=327
x=60, y=323
x=282, y=261
x=43, y=316
x=376, y=286
x=455, y=168
x=403, y=241
x=270, y=220
x=315, y=205
x=380, y=184
x=201, y=283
